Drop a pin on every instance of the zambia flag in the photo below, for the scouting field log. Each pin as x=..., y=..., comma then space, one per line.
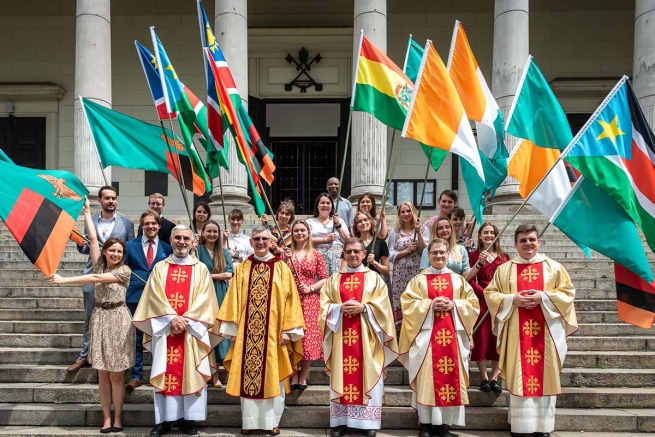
x=124, y=141
x=40, y=208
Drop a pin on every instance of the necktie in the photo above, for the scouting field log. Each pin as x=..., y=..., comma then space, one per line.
x=150, y=256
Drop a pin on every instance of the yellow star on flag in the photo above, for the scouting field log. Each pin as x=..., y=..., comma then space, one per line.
x=170, y=67
x=611, y=130
x=153, y=61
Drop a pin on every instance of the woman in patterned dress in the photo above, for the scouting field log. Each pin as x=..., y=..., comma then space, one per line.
x=405, y=246
x=310, y=273
x=328, y=231
x=111, y=334
x=485, y=261
x=219, y=262
x=286, y=213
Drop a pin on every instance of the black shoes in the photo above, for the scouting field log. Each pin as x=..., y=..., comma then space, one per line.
x=105, y=430
x=116, y=429
x=338, y=431
x=426, y=430
x=187, y=427
x=495, y=387
x=516, y=434
x=442, y=431
x=369, y=433
x=541, y=434
x=161, y=428
x=485, y=386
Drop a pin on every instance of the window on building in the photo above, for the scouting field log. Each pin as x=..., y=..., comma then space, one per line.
x=401, y=190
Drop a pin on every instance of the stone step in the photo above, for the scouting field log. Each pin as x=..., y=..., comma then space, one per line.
x=60, y=303
x=598, y=317
x=40, y=292
x=588, y=304
x=41, y=340
x=64, y=265
x=41, y=327
x=487, y=418
x=41, y=314
x=318, y=395
x=611, y=329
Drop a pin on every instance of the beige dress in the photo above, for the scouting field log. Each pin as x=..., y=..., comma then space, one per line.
x=112, y=336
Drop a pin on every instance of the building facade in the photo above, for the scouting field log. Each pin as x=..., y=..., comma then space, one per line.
x=293, y=65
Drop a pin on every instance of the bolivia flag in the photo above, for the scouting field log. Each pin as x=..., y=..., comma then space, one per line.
x=127, y=142
x=480, y=106
x=436, y=117
x=40, y=208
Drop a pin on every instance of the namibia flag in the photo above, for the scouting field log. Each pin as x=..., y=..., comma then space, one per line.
x=40, y=208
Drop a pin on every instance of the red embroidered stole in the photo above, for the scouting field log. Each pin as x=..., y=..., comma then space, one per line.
x=255, y=348
x=351, y=285
x=178, y=288
x=445, y=351
x=532, y=331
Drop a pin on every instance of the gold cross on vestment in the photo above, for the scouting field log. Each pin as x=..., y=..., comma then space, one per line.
x=532, y=356
x=350, y=365
x=531, y=328
x=439, y=284
x=350, y=336
x=179, y=275
x=447, y=393
x=350, y=393
x=445, y=365
x=533, y=384
x=170, y=382
x=352, y=283
x=176, y=300
x=173, y=355
x=444, y=337
x=529, y=274
x=440, y=314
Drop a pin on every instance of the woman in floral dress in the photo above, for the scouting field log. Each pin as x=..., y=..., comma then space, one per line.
x=328, y=232
x=310, y=273
x=405, y=246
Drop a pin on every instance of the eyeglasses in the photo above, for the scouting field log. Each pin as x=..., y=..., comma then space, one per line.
x=527, y=240
x=260, y=239
x=353, y=251
x=438, y=253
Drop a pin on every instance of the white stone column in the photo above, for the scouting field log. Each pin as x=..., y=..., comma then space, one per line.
x=643, y=79
x=369, y=136
x=511, y=49
x=231, y=31
x=92, y=80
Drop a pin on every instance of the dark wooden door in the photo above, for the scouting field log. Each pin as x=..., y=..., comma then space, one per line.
x=23, y=140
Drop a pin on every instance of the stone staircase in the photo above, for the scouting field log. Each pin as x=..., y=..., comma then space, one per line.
x=608, y=378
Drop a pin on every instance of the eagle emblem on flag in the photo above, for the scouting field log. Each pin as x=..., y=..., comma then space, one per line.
x=61, y=190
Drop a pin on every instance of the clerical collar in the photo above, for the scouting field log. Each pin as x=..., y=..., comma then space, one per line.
x=534, y=259
x=437, y=271
x=357, y=269
x=264, y=258
x=182, y=261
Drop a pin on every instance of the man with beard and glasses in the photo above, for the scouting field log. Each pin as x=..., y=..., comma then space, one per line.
x=177, y=314
x=109, y=223
x=263, y=317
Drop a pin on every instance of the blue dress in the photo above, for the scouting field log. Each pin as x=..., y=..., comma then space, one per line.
x=220, y=287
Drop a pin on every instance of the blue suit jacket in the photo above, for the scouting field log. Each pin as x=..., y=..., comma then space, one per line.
x=135, y=259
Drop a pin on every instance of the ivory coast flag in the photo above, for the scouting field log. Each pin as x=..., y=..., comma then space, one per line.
x=436, y=118
x=380, y=88
x=480, y=105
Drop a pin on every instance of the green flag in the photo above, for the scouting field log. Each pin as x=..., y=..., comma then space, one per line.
x=124, y=141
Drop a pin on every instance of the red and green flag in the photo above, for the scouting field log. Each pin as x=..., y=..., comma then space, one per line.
x=39, y=207
x=124, y=141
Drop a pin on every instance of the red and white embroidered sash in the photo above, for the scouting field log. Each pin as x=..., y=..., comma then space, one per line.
x=351, y=285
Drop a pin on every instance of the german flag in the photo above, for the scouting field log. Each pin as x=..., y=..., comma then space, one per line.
x=635, y=298
x=38, y=207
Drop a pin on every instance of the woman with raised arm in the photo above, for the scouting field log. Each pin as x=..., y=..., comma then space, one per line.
x=329, y=231
x=377, y=259
x=219, y=262
x=111, y=334
x=366, y=203
x=447, y=202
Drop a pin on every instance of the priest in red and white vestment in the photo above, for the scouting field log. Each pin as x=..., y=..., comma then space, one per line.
x=530, y=302
x=177, y=314
x=359, y=342
x=439, y=312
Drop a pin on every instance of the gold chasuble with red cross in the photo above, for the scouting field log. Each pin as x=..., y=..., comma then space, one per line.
x=263, y=302
x=435, y=344
x=531, y=354
x=182, y=363
x=355, y=358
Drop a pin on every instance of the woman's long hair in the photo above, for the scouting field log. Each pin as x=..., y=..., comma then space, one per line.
x=452, y=241
x=102, y=261
x=369, y=196
x=496, y=246
x=204, y=206
x=412, y=208
x=309, y=246
x=217, y=252
x=356, y=231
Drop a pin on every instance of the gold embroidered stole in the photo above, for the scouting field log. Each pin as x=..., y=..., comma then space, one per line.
x=351, y=285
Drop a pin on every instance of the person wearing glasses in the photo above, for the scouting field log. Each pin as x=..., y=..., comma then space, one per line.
x=358, y=342
x=439, y=311
x=157, y=202
x=263, y=317
x=530, y=300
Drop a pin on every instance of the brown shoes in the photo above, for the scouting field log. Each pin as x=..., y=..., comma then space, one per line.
x=77, y=365
x=274, y=431
x=246, y=431
x=134, y=383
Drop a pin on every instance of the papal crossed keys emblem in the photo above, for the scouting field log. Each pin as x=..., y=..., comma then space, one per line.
x=61, y=190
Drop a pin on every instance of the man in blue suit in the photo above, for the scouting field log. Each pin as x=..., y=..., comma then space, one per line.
x=141, y=255
x=108, y=223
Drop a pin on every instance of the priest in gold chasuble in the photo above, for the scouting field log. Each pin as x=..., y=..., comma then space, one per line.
x=177, y=314
x=530, y=303
x=439, y=312
x=262, y=314
x=359, y=342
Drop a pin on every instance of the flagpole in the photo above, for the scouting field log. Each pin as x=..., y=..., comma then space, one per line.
x=343, y=161
x=220, y=184
x=389, y=176
x=425, y=182
x=180, y=180
x=270, y=208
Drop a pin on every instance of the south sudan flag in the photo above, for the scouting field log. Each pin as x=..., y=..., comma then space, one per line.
x=40, y=207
